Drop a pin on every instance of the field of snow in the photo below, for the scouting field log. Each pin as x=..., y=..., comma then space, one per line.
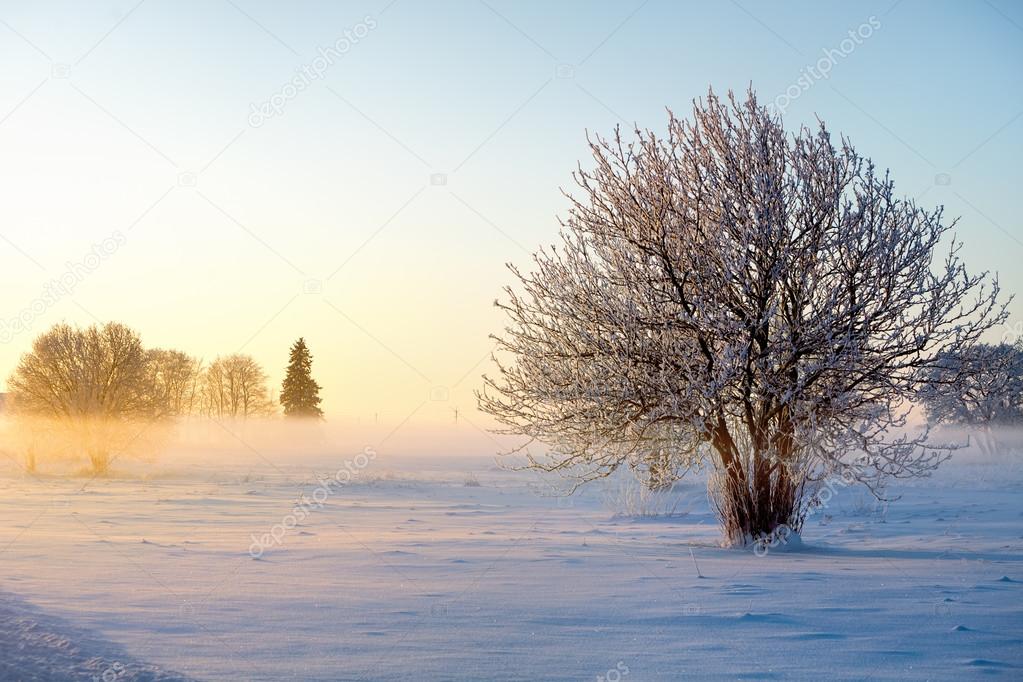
x=406, y=572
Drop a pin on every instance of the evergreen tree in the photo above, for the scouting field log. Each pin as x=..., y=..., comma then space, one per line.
x=300, y=395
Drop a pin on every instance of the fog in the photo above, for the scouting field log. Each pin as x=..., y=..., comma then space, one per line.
x=41, y=446
x=48, y=447
x=980, y=446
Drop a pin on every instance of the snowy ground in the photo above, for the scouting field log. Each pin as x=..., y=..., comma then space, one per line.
x=408, y=573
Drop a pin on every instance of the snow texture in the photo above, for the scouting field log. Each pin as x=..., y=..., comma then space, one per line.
x=41, y=648
x=407, y=573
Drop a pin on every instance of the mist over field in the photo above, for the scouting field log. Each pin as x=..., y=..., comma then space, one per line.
x=194, y=446
x=198, y=447
x=218, y=560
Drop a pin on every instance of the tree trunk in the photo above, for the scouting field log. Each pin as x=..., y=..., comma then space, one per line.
x=757, y=507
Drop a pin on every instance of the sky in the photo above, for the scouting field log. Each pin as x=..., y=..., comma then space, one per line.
x=154, y=158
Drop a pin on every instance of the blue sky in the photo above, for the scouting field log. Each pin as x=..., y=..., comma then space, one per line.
x=323, y=221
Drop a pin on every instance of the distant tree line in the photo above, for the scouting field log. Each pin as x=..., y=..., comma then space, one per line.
x=102, y=374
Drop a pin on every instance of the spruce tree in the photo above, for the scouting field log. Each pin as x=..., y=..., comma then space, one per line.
x=300, y=395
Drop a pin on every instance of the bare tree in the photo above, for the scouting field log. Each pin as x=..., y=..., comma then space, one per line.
x=87, y=381
x=980, y=388
x=235, y=386
x=734, y=295
x=173, y=382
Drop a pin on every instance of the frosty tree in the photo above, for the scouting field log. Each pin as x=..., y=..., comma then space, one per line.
x=733, y=295
x=980, y=388
x=300, y=394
